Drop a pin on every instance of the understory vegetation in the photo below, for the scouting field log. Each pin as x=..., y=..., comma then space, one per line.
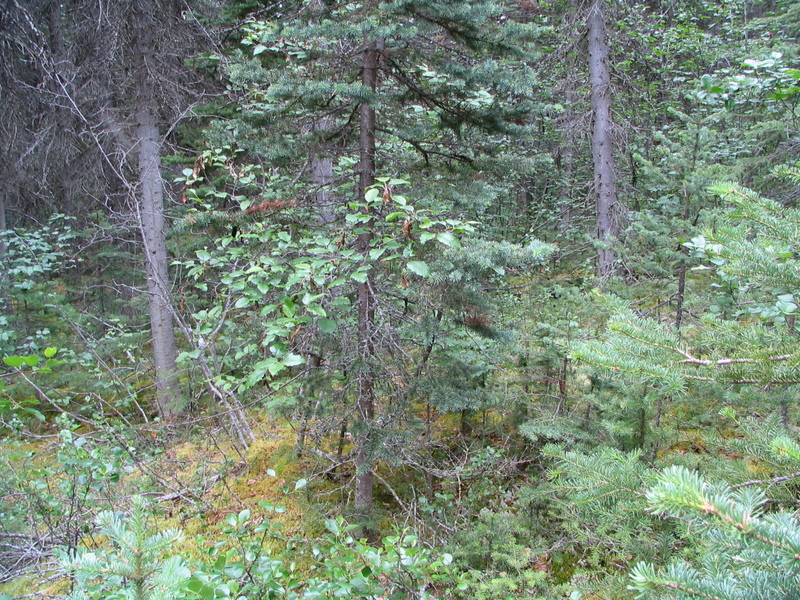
x=481, y=300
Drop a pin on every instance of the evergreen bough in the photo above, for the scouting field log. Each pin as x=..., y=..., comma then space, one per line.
x=134, y=568
x=748, y=336
x=744, y=552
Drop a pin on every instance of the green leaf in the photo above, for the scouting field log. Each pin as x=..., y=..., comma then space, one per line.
x=275, y=367
x=358, y=218
x=31, y=360
x=32, y=411
x=371, y=195
x=50, y=352
x=300, y=484
x=757, y=64
x=332, y=526
x=448, y=239
x=14, y=361
x=427, y=236
x=326, y=325
x=419, y=267
x=292, y=360
x=270, y=365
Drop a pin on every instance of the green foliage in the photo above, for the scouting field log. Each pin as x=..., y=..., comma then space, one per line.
x=499, y=552
x=134, y=567
x=293, y=281
x=256, y=560
x=699, y=328
x=744, y=551
x=56, y=493
x=18, y=398
x=33, y=261
x=241, y=564
x=31, y=256
x=596, y=501
x=747, y=340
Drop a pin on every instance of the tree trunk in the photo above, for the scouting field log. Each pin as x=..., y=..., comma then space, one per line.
x=3, y=247
x=150, y=212
x=322, y=173
x=682, y=268
x=605, y=181
x=566, y=160
x=365, y=294
x=153, y=228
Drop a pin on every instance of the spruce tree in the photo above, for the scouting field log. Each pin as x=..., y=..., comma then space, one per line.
x=134, y=566
x=434, y=92
x=748, y=336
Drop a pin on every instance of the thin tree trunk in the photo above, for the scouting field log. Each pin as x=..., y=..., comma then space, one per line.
x=365, y=295
x=3, y=247
x=153, y=227
x=322, y=160
x=605, y=180
x=566, y=161
x=150, y=212
x=322, y=173
x=682, y=268
x=687, y=206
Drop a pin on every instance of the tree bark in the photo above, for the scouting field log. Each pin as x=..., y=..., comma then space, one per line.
x=322, y=174
x=605, y=181
x=566, y=161
x=153, y=229
x=3, y=247
x=682, y=268
x=365, y=403
x=150, y=212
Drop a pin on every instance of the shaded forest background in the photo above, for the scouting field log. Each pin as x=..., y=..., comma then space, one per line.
x=399, y=299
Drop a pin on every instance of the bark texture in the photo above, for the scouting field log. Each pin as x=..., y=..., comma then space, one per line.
x=153, y=227
x=605, y=179
x=322, y=174
x=566, y=160
x=365, y=293
x=150, y=210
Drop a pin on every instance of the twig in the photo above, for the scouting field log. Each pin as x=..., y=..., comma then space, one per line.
x=771, y=482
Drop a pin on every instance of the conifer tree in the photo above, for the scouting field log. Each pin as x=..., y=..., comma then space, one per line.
x=435, y=92
x=134, y=567
x=751, y=254
x=102, y=81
